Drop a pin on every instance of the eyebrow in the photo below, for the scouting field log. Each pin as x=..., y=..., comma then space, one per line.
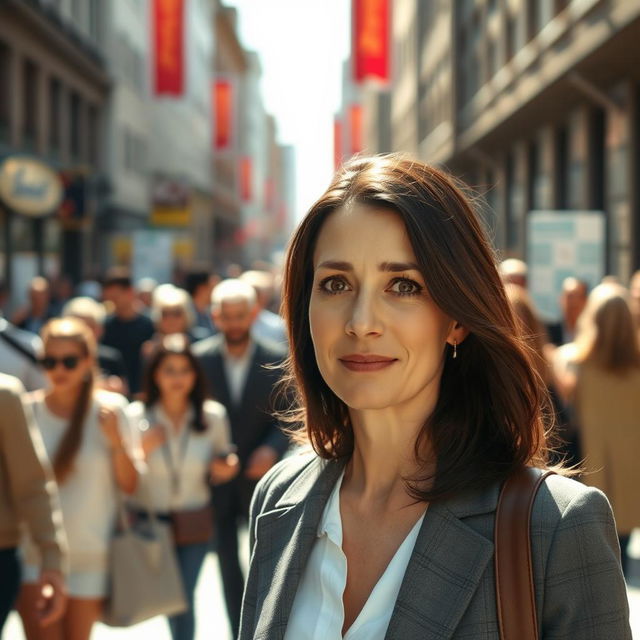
x=394, y=267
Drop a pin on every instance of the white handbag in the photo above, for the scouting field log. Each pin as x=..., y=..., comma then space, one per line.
x=145, y=578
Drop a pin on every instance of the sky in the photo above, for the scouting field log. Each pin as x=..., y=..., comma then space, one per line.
x=302, y=45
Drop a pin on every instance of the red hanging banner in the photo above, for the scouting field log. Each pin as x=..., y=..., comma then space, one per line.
x=370, y=40
x=223, y=114
x=246, y=192
x=337, y=143
x=168, y=40
x=355, y=128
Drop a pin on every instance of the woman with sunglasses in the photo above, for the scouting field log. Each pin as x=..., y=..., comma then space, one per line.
x=187, y=446
x=91, y=448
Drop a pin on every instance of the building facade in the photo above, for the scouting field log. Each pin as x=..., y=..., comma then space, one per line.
x=534, y=103
x=54, y=88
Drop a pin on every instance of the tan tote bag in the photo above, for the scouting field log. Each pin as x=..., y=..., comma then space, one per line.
x=145, y=579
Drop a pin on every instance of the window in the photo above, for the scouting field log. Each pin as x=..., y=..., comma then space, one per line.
x=93, y=136
x=562, y=167
x=5, y=84
x=534, y=18
x=510, y=36
x=534, y=185
x=134, y=152
x=55, y=98
x=94, y=19
x=29, y=104
x=75, y=127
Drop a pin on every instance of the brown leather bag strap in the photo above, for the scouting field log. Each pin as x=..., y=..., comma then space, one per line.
x=515, y=592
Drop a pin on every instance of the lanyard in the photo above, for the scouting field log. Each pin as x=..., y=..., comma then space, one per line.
x=175, y=469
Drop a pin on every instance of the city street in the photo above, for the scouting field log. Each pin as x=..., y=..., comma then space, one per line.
x=211, y=617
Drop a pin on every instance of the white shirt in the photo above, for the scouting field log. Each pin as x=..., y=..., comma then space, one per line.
x=191, y=452
x=317, y=612
x=237, y=370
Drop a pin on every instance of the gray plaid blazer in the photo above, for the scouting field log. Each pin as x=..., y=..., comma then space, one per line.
x=448, y=589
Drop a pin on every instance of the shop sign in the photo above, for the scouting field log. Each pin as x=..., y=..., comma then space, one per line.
x=171, y=203
x=29, y=187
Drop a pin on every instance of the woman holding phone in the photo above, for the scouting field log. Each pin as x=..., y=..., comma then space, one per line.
x=187, y=447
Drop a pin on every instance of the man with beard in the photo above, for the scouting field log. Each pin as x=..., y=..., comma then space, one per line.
x=238, y=373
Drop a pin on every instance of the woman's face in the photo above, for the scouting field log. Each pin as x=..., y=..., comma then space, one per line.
x=66, y=363
x=175, y=376
x=379, y=338
x=172, y=320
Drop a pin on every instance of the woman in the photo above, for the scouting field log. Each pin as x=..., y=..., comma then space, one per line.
x=187, y=445
x=92, y=451
x=607, y=403
x=418, y=399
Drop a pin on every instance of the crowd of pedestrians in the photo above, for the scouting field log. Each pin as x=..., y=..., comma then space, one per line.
x=152, y=395
x=590, y=362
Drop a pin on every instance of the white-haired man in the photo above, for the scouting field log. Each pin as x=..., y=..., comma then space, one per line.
x=234, y=363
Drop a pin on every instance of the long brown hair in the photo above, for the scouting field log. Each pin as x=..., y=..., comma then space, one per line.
x=606, y=331
x=76, y=331
x=532, y=330
x=488, y=419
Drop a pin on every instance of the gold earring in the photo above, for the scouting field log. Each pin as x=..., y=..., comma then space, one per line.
x=455, y=349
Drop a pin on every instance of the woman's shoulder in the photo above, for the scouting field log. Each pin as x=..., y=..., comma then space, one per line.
x=285, y=474
x=563, y=501
x=214, y=409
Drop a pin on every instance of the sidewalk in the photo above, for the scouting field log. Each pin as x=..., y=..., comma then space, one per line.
x=211, y=617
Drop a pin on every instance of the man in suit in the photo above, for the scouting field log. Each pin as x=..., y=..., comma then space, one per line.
x=234, y=363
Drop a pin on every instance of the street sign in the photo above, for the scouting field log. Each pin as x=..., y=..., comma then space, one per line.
x=561, y=244
x=29, y=187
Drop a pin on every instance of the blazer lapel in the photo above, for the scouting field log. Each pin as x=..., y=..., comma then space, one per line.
x=219, y=379
x=445, y=569
x=252, y=373
x=284, y=539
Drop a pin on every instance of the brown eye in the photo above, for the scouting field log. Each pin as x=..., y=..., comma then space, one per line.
x=333, y=285
x=405, y=287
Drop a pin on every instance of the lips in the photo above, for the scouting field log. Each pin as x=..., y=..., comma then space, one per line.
x=368, y=357
x=366, y=362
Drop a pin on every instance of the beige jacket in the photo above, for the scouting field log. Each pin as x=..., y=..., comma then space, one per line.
x=28, y=492
x=608, y=408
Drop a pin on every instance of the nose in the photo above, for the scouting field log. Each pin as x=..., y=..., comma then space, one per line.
x=364, y=316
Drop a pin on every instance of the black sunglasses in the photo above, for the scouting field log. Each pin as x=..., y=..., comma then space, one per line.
x=68, y=362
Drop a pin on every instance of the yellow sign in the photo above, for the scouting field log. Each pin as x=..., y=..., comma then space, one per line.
x=171, y=216
x=29, y=187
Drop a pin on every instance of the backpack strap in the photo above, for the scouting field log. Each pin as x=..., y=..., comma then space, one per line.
x=515, y=591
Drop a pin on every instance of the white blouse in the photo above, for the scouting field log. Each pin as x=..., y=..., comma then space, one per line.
x=317, y=612
x=190, y=451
